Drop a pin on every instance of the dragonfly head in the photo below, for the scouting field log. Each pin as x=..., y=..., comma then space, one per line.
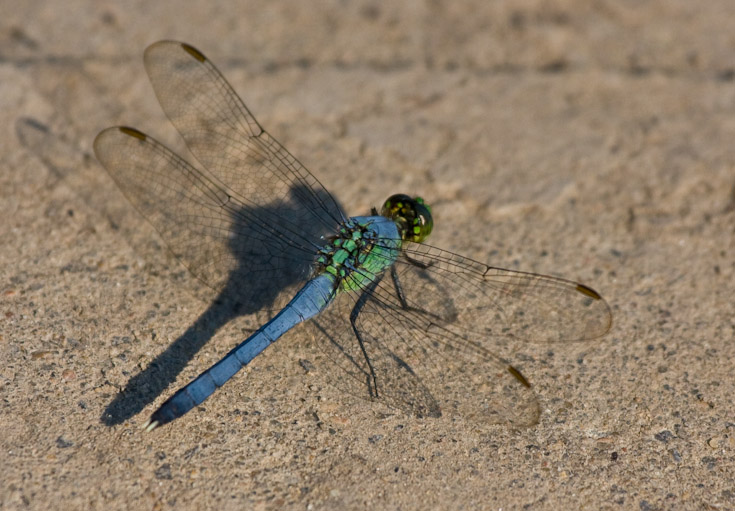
x=411, y=215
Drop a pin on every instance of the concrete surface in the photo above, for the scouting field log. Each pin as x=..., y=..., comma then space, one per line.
x=590, y=140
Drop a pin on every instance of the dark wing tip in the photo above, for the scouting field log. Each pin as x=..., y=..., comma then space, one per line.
x=193, y=52
x=132, y=132
x=167, y=45
x=519, y=376
x=107, y=139
x=588, y=291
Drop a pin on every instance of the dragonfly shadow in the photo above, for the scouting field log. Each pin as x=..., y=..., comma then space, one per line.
x=243, y=293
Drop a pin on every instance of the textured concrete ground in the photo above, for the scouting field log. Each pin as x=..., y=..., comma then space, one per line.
x=590, y=140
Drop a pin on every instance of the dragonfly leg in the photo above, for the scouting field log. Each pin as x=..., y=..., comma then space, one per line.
x=353, y=319
x=398, y=287
x=402, y=297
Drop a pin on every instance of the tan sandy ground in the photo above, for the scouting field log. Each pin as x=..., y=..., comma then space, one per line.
x=591, y=140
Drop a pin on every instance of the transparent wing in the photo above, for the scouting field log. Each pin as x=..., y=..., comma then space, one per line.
x=427, y=331
x=250, y=221
x=496, y=302
x=251, y=252
x=408, y=362
x=224, y=136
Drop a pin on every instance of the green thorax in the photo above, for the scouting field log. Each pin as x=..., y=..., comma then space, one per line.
x=363, y=249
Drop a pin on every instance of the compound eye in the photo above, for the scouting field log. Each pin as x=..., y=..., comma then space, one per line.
x=412, y=216
x=423, y=222
x=395, y=205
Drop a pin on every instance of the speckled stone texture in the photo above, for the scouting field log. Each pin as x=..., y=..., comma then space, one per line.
x=590, y=140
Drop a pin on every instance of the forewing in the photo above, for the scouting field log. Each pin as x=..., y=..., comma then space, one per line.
x=495, y=302
x=431, y=353
x=224, y=136
x=250, y=221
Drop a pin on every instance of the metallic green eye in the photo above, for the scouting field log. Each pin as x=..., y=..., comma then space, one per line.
x=411, y=215
x=421, y=201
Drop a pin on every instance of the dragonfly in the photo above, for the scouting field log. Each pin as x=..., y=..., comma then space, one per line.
x=405, y=323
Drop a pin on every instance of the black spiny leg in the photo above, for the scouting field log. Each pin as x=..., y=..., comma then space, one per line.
x=397, y=282
x=353, y=318
x=399, y=289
